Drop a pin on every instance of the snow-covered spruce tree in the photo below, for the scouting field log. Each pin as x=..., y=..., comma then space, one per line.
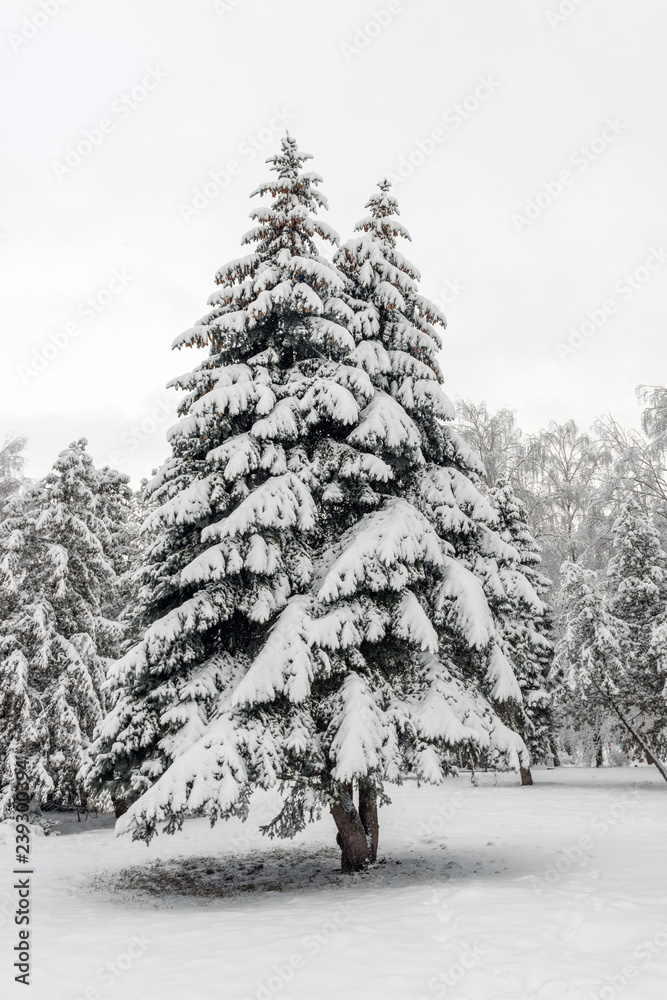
x=288, y=593
x=613, y=650
x=55, y=642
x=11, y=467
x=637, y=589
x=396, y=345
x=233, y=525
x=526, y=626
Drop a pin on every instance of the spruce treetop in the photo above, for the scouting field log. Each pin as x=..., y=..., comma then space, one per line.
x=394, y=313
x=288, y=223
x=281, y=302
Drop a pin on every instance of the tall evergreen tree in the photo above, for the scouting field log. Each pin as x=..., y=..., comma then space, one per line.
x=526, y=626
x=304, y=568
x=233, y=512
x=637, y=595
x=397, y=344
x=55, y=642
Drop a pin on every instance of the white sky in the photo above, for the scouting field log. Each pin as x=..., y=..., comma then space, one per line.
x=227, y=73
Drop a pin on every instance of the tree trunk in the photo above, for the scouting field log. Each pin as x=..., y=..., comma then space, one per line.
x=352, y=840
x=368, y=813
x=526, y=776
x=599, y=757
x=119, y=807
x=640, y=741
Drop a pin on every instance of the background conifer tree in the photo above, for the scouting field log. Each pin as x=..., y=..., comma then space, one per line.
x=526, y=626
x=613, y=649
x=56, y=579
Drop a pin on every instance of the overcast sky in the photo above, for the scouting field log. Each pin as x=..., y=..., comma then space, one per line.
x=479, y=107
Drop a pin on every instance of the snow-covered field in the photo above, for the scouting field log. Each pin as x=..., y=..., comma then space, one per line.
x=489, y=893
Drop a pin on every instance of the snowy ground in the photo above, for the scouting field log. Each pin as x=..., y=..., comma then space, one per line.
x=488, y=893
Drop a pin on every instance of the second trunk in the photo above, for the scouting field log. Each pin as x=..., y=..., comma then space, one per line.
x=358, y=829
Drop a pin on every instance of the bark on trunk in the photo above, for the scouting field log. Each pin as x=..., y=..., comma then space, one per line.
x=641, y=742
x=637, y=737
x=526, y=776
x=599, y=756
x=351, y=838
x=368, y=813
x=119, y=807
